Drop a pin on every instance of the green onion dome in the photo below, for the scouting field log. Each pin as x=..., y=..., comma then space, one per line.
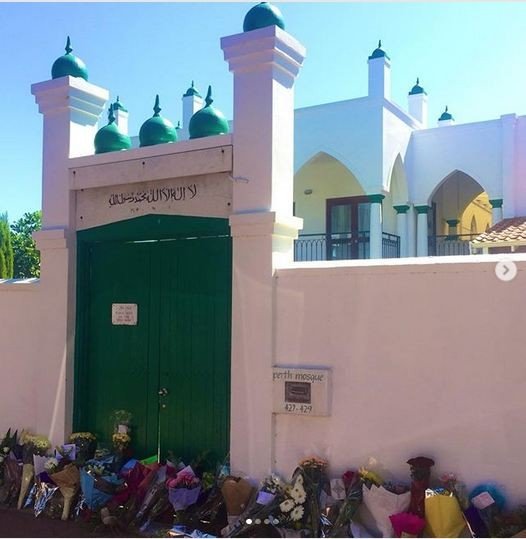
x=110, y=138
x=69, y=64
x=417, y=89
x=446, y=116
x=379, y=52
x=192, y=91
x=261, y=15
x=157, y=130
x=208, y=121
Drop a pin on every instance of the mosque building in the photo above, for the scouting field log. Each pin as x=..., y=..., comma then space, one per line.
x=276, y=292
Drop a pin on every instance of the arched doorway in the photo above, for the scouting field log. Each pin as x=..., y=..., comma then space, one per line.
x=460, y=209
x=335, y=211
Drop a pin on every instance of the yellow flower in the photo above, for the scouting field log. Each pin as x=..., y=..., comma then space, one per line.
x=371, y=476
x=82, y=436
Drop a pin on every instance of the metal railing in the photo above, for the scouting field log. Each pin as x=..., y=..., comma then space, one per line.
x=390, y=245
x=453, y=245
x=343, y=246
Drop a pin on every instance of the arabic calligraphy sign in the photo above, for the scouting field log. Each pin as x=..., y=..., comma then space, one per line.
x=162, y=194
x=209, y=195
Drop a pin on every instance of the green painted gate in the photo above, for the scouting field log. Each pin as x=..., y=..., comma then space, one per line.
x=172, y=369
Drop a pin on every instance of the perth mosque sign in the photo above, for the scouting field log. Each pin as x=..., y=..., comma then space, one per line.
x=301, y=391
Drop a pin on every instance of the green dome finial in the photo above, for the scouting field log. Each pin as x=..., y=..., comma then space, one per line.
x=446, y=115
x=417, y=89
x=111, y=116
x=208, y=98
x=157, y=130
x=110, y=138
x=69, y=65
x=208, y=121
x=379, y=52
x=119, y=106
x=192, y=91
x=262, y=15
x=156, y=107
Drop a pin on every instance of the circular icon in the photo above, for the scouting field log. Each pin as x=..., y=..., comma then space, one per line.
x=506, y=270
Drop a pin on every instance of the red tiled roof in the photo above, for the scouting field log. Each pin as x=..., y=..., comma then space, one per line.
x=512, y=230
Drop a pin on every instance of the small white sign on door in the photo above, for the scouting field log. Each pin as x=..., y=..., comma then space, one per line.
x=124, y=314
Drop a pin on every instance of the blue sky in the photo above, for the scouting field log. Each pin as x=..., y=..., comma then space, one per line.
x=468, y=55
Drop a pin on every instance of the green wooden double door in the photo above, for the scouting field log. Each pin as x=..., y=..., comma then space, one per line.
x=153, y=333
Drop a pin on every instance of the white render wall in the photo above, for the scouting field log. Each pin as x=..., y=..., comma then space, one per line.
x=435, y=153
x=21, y=357
x=426, y=358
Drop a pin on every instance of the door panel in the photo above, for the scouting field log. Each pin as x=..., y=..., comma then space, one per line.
x=195, y=346
x=119, y=372
x=182, y=288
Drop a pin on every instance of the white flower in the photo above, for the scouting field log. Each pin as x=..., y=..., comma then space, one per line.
x=6, y=450
x=299, y=480
x=297, y=513
x=286, y=506
x=298, y=494
x=1, y=459
x=51, y=464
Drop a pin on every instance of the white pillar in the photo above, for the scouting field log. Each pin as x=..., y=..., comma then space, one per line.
x=417, y=104
x=379, y=75
x=121, y=116
x=513, y=188
x=192, y=102
x=265, y=63
x=71, y=108
x=496, y=210
x=402, y=228
x=421, y=231
x=375, y=226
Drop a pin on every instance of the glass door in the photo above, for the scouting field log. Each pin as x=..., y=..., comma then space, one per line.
x=347, y=228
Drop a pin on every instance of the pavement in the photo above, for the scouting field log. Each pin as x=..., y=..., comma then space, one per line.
x=14, y=523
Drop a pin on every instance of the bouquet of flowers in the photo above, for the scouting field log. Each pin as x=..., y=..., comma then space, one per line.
x=314, y=473
x=6, y=445
x=32, y=445
x=98, y=483
x=121, y=421
x=383, y=499
x=237, y=493
x=85, y=443
x=263, y=507
x=353, y=499
x=291, y=509
x=183, y=489
x=68, y=480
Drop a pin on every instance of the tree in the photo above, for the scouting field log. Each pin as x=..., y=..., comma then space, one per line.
x=26, y=256
x=6, y=249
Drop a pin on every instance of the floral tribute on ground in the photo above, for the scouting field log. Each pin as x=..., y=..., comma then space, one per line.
x=104, y=484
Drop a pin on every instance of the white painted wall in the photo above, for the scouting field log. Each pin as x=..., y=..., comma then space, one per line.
x=412, y=347
x=475, y=149
x=21, y=359
x=350, y=131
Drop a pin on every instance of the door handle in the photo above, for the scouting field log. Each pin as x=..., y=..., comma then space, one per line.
x=163, y=392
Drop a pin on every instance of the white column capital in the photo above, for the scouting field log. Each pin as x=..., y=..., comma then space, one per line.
x=83, y=100
x=264, y=49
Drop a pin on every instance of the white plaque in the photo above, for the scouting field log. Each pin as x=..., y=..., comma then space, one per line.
x=300, y=391
x=124, y=314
